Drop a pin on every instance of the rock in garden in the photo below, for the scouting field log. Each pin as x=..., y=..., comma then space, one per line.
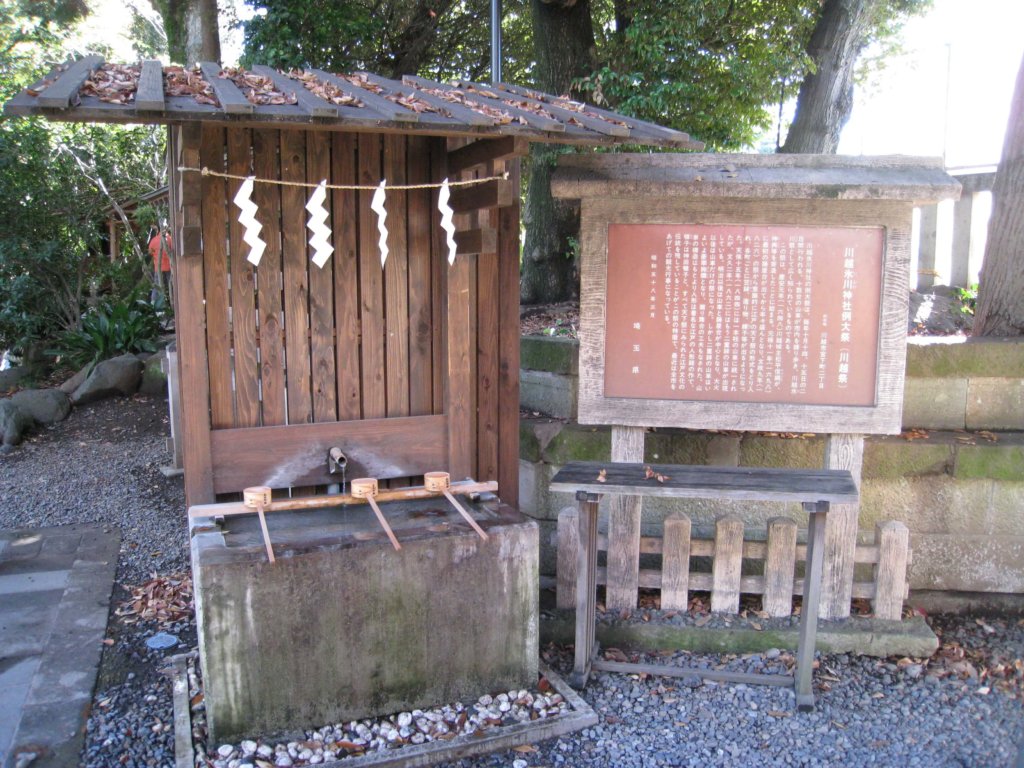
x=14, y=420
x=46, y=406
x=69, y=386
x=154, y=380
x=116, y=376
x=10, y=377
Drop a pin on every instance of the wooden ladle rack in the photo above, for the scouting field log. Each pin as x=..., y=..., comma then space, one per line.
x=365, y=490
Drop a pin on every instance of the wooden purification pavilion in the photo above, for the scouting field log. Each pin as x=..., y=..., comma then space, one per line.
x=409, y=368
x=405, y=368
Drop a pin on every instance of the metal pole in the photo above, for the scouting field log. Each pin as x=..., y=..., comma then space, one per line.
x=495, y=41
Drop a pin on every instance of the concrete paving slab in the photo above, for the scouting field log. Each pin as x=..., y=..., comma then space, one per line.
x=56, y=585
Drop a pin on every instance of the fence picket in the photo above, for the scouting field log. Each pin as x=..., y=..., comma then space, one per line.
x=675, y=563
x=727, y=565
x=779, y=567
x=568, y=556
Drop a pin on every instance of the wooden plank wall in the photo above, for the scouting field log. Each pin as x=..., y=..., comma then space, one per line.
x=282, y=361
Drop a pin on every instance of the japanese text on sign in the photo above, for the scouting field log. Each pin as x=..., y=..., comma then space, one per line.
x=743, y=313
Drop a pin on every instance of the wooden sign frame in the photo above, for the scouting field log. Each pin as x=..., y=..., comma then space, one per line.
x=884, y=416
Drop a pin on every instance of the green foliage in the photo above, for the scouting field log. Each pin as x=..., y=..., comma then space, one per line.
x=441, y=39
x=111, y=329
x=968, y=298
x=712, y=69
x=57, y=181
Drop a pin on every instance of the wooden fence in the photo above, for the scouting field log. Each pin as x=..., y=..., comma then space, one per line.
x=777, y=583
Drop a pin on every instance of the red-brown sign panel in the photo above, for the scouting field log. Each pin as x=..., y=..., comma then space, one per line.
x=740, y=313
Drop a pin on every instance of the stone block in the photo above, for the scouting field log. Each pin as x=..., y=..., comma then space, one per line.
x=529, y=443
x=758, y=450
x=995, y=403
x=893, y=457
x=549, y=353
x=998, y=461
x=870, y=637
x=967, y=563
x=554, y=394
x=343, y=627
x=45, y=405
x=931, y=403
x=535, y=496
x=929, y=504
x=961, y=357
x=676, y=446
x=576, y=442
x=116, y=376
x=1005, y=512
x=154, y=380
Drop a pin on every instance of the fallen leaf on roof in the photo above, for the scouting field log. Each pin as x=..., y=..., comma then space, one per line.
x=258, y=89
x=112, y=83
x=179, y=81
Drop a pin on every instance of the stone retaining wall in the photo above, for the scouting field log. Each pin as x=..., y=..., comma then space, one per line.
x=961, y=494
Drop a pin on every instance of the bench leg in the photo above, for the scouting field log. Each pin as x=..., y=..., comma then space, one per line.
x=811, y=598
x=586, y=589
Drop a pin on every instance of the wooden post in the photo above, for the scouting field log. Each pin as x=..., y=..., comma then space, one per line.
x=779, y=567
x=675, y=563
x=568, y=557
x=727, y=566
x=191, y=324
x=624, y=527
x=893, y=541
x=841, y=452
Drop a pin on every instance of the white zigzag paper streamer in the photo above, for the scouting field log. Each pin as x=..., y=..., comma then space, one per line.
x=247, y=218
x=446, y=219
x=377, y=205
x=322, y=248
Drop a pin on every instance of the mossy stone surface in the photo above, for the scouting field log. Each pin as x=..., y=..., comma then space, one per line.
x=549, y=353
x=575, y=442
x=968, y=357
x=892, y=458
x=999, y=462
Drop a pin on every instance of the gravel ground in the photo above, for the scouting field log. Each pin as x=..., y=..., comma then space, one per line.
x=962, y=707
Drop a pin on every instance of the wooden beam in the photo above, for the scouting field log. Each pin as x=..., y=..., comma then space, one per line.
x=228, y=94
x=307, y=100
x=624, y=526
x=191, y=330
x=60, y=93
x=149, y=94
x=496, y=193
x=387, y=109
x=226, y=509
x=841, y=525
x=486, y=150
x=476, y=241
x=296, y=455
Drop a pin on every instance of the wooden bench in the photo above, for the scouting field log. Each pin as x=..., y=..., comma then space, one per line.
x=815, y=489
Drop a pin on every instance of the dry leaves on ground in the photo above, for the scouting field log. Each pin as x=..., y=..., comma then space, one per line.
x=163, y=599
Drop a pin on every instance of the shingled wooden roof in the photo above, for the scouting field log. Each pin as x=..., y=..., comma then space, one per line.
x=89, y=90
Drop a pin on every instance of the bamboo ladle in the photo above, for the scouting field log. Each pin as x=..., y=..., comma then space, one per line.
x=257, y=497
x=440, y=482
x=366, y=488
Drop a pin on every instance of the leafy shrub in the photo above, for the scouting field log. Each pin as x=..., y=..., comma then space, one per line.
x=112, y=329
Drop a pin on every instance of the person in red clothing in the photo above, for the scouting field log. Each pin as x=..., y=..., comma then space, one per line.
x=160, y=248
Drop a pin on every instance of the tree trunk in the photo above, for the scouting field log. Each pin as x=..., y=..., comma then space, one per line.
x=1000, y=309
x=564, y=46
x=191, y=28
x=826, y=95
x=414, y=41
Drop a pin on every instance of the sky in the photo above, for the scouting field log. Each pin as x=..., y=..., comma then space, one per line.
x=949, y=94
